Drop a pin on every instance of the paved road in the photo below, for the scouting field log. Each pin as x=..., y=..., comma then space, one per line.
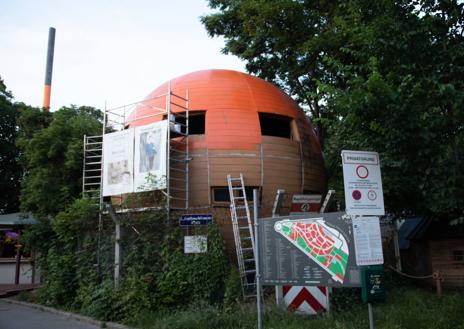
x=14, y=316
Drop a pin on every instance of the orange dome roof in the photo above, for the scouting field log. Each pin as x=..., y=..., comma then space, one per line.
x=232, y=101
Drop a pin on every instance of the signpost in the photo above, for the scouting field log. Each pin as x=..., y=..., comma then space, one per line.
x=363, y=183
x=364, y=197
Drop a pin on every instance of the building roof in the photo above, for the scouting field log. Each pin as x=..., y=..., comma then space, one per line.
x=412, y=229
x=17, y=218
x=232, y=101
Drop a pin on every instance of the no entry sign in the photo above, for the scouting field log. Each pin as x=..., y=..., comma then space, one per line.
x=363, y=183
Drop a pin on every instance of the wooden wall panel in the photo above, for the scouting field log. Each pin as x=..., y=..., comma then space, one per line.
x=441, y=255
x=220, y=167
x=198, y=179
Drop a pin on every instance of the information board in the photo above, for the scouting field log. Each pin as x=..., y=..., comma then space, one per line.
x=367, y=241
x=308, y=250
x=363, y=183
x=194, y=244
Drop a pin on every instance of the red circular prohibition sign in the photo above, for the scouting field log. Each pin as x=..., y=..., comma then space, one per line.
x=362, y=171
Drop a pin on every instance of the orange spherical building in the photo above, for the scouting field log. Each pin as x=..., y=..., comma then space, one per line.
x=241, y=124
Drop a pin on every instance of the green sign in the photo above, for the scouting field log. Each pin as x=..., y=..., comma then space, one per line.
x=373, y=283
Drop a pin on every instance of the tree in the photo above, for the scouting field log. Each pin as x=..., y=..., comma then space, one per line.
x=10, y=169
x=383, y=76
x=51, y=146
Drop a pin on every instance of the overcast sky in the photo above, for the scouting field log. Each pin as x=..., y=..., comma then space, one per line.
x=113, y=51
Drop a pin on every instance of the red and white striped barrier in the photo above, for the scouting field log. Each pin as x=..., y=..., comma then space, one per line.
x=308, y=300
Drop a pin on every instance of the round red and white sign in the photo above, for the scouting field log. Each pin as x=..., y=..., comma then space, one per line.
x=362, y=171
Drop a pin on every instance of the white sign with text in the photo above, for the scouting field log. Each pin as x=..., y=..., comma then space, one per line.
x=363, y=183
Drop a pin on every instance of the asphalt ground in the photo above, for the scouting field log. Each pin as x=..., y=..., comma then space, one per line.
x=15, y=316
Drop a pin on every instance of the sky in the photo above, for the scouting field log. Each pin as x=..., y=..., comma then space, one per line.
x=105, y=51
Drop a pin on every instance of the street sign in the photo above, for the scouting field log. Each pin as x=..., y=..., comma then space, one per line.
x=308, y=250
x=195, y=219
x=373, y=284
x=363, y=183
x=306, y=203
x=194, y=244
x=367, y=241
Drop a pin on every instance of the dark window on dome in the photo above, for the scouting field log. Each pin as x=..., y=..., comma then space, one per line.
x=275, y=125
x=196, y=122
x=221, y=194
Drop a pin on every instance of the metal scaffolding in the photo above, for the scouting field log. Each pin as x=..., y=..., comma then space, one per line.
x=176, y=113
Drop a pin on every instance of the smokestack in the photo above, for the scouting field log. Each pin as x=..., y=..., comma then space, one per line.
x=49, y=69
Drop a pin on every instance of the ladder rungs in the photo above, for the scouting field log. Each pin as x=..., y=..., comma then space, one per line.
x=178, y=151
x=177, y=160
x=249, y=260
x=94, y=143
x=91, y=184
x=247, y=249
x=93, y=163
x=178, y=189
x=92, y=156
x=177, y=169
x=243, y=227
x=178, y=179
x=250, y=271
x=91, y=170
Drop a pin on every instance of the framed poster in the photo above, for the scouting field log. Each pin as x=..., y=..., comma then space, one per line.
x=150, y=157
x=118, y=165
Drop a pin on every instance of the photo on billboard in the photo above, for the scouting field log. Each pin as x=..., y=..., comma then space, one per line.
x=150, y=157
x=118, y=162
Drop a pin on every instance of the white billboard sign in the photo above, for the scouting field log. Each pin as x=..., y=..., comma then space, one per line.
x=118, y=165
x=367, y=241
x=363, y=183
x=150, y=157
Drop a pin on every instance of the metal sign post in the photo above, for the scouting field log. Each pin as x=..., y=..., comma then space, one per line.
x=371, y=316
x=258, y=273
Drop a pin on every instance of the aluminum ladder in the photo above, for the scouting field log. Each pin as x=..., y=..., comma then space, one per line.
x=178, y=155
x=243, y=235
x=92, y=167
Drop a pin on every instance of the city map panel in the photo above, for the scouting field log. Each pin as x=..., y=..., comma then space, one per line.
x=308, y=250
x=323, y=244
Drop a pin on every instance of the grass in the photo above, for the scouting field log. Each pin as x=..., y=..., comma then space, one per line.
x=405, y=308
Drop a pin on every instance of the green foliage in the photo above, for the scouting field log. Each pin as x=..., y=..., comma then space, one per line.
x=233, y=290
x=383, y=76
x=344, y=299
x=10, y=169
x=51, y=146
x=406, y=308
